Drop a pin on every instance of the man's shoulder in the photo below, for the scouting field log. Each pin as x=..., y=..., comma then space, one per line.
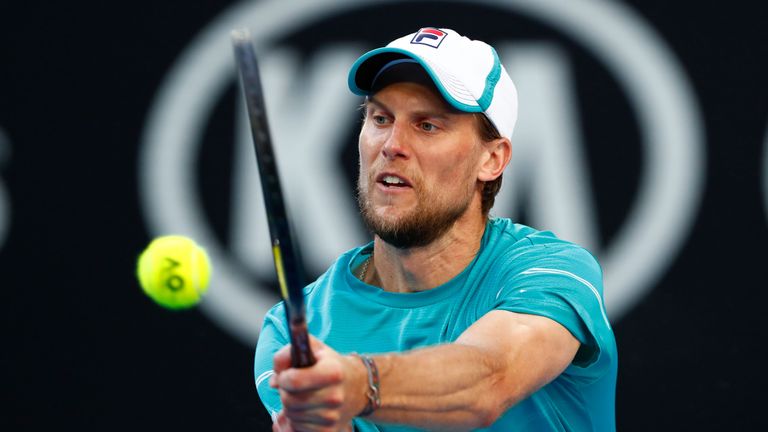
x=522, y=242
x=518, y=234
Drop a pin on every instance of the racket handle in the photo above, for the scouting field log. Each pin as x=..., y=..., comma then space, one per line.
x=301, y=354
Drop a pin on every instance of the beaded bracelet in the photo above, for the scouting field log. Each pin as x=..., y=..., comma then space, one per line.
x=374, y=400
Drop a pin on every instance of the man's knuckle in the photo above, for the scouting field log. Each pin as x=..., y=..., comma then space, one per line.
x=331, y=417
x=291, y=381
x=334, y=398
x=335, y=373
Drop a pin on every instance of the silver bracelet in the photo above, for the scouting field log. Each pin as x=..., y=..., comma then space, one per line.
x=374, y=399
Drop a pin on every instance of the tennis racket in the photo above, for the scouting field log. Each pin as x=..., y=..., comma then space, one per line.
x=290, y=272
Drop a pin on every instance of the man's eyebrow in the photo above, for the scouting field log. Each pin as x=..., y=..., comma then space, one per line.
x=372, y=100
x=438, y=114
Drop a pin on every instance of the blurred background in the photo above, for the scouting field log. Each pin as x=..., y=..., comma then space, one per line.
x=643, y=134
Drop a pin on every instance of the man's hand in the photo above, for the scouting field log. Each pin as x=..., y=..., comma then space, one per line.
x=320, y=398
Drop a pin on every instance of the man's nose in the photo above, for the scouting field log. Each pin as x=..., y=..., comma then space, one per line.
x=396, y=144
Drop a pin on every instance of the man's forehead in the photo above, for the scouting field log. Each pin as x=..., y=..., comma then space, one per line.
x=418, y=95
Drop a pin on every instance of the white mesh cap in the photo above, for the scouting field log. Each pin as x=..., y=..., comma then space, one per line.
x=467, y=73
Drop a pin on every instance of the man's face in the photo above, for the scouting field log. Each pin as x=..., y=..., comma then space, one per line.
x=419, y=161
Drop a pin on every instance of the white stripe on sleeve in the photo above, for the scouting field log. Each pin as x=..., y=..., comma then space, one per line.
x=264, y=376
x=585, y=282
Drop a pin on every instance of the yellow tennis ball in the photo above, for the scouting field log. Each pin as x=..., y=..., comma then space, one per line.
x=174, y=271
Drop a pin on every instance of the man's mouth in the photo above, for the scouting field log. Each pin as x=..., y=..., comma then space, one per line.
x=391, y=180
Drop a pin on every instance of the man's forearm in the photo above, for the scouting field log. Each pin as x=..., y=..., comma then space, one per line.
x=447, y=387
x=499, y=361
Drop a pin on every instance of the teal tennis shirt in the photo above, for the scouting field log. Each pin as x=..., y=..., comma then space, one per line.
x=518, y=269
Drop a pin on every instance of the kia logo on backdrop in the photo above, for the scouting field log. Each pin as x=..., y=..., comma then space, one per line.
x=608, y=151
x=5, y=202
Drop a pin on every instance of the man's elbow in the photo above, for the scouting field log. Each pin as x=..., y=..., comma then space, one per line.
x=488, y=409
x=486, y=414
x=501, y=394
x=489, y=418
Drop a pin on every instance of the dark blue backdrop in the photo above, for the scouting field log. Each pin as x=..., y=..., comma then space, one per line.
x=83, y=348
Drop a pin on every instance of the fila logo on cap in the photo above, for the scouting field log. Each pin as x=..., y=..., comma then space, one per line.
x=429, y=36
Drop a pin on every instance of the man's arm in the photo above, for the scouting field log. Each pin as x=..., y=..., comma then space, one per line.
x=495, y=363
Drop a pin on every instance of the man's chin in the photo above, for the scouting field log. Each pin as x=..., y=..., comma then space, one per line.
x=388, y=224
x=392, y=214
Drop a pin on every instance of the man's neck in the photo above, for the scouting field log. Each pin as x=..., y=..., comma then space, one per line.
x=427, y=267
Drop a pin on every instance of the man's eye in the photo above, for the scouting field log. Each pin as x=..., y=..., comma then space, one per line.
x=379, y=119
x=428, y=127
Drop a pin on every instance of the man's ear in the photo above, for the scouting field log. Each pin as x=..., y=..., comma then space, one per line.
x=496, y=157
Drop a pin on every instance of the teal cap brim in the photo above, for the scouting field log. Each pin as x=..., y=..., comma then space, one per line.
x=368, y=65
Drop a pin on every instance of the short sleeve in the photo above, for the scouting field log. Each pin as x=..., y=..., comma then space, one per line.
x=273, y=336
x=563, y=283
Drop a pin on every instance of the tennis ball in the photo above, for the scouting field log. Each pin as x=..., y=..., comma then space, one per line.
x=174, y=271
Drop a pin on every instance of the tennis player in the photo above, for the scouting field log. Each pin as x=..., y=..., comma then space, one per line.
x=450, y=319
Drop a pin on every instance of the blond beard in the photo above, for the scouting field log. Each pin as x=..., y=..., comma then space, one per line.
x=426, y=223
